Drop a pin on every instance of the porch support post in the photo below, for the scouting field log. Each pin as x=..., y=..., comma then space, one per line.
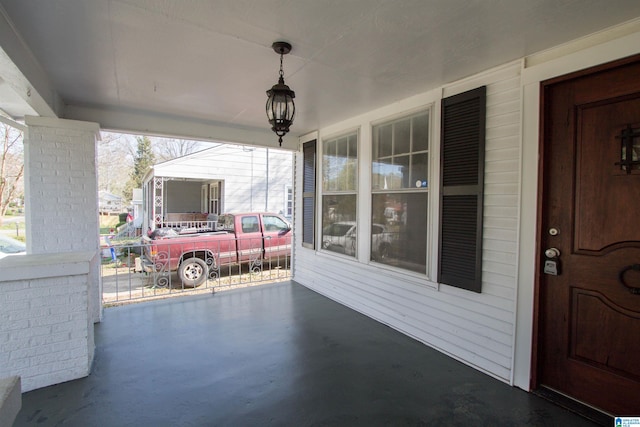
x=158, y=201
x=61, y=193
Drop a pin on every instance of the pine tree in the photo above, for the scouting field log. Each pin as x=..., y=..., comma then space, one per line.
x=143, y=160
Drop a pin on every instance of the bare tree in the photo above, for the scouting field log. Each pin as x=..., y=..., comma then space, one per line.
x=117, y=154
x=115, y=161
x=11, y=167
x=168, y=149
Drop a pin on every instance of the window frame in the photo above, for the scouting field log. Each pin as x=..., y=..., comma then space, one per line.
x=354, y=191
x=427, y=110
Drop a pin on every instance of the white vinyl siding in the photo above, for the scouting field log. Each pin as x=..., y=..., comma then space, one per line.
x=243, y=171
x=474, y=328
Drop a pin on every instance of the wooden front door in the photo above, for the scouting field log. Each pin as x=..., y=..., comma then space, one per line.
x=588, y=320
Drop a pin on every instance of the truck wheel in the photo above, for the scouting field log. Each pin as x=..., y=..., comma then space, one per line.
x=193, y=271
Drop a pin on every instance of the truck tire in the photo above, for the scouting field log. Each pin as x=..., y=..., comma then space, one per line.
x=193, y=271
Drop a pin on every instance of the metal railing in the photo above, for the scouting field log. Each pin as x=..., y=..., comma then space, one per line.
x=125, y=280
x=190, y=224
x=127, y=230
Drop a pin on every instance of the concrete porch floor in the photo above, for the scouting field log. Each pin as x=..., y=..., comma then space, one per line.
x=275, y=355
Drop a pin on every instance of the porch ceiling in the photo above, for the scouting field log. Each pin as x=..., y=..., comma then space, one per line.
x=200, y=68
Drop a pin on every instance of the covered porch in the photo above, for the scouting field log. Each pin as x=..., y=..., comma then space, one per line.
x=71, y=69
x=278, y=354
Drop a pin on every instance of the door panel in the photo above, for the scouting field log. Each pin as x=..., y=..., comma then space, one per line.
x=589, y=323
x=277, y=238
x=602, y=188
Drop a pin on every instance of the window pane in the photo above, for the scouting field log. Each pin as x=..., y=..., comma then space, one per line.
x=403, y=242
x=402, y=166
x=386, y=176
x=421, y=133
x=401, y=140
x=339, y=162
x=250, y=224
x=341, y=147
x=420, y=169
x=339, y=224
x=274, y=223
x=328, y=164
x=382, y=141
x=352, y=173
x=226, y=222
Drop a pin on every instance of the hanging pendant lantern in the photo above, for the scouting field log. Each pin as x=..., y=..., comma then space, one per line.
x=281, y=109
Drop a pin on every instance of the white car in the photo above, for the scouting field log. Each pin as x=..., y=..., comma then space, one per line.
x=341, y=237
x=11, y=246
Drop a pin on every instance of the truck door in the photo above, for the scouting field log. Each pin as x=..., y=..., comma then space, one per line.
x=249, y=239
x=277, y=237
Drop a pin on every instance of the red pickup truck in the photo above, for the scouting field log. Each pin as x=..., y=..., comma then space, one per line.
x=239, y=238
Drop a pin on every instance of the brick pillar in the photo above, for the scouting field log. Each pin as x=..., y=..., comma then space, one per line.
x=61, y=192
x=61, y=185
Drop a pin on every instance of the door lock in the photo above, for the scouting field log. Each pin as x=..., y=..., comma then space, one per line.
x=552, y=253
x=552, y=263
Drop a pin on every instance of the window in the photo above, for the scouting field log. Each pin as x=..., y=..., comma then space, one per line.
x=214, y=198
x=309, y=194
x=400, y=192
x=250, y=224
x=274, y=223
x=339, y=194
x=288, y=203
x=461, y=195
x=226, y=222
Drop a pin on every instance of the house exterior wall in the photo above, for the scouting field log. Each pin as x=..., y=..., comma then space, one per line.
x=476, y=328
x=493, y=330
x=254, y=178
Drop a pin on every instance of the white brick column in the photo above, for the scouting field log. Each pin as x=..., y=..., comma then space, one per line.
x=46, y=333
x=61, y=185
x=61, y=192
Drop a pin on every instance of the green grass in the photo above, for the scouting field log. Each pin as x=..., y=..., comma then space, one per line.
x=107, y=222
x=18, y=233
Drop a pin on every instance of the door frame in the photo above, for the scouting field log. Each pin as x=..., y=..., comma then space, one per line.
x=541, y=185
x=602, y=48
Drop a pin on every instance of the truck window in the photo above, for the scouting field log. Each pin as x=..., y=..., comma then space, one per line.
x=250, y=224
x=226, y=222
x=274, y=223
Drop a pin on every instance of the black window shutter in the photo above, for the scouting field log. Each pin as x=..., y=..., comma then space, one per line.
x=309, y=194
x=462, y=186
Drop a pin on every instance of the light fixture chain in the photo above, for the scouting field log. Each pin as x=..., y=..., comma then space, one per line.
x=281, y=72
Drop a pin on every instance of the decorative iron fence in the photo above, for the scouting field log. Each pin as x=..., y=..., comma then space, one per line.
x=128, y=275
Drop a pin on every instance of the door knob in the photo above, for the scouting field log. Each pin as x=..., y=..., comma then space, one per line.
x=552, y=253
x=552, y=263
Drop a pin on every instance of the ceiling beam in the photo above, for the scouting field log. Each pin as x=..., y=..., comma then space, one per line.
x=23, y=74
x=145, y=123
